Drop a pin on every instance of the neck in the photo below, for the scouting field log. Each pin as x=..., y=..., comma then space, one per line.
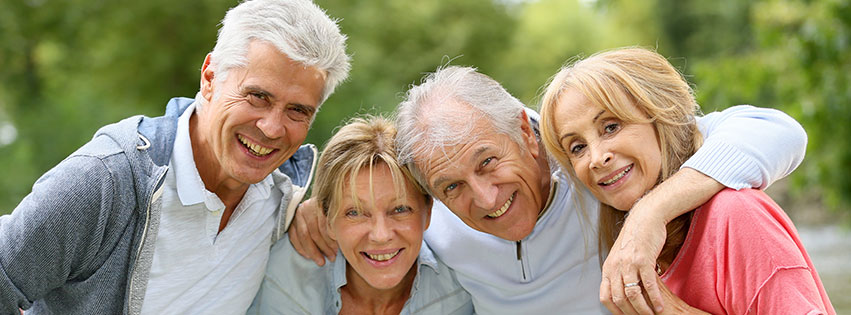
x=359, y=297
x=229, y=191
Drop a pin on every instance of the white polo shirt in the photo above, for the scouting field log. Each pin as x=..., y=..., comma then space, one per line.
x=195, y=269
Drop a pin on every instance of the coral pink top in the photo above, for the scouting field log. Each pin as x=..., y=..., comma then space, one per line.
x=743, y=255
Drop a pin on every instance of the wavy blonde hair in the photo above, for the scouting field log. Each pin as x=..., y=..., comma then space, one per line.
x=361, y=143
x=613, y=80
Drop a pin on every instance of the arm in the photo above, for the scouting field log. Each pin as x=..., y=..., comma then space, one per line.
x=744, y=146
x=749, y=147
x=53, y=235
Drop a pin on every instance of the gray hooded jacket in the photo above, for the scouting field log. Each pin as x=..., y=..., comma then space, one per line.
x=82, y=241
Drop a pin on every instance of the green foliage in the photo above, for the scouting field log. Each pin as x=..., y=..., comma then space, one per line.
x=798, y=60
x=70, y=67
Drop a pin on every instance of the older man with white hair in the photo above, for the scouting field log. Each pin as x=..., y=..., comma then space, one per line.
x=176, y=214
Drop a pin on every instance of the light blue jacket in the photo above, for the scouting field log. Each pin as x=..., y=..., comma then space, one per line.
x=82, y=241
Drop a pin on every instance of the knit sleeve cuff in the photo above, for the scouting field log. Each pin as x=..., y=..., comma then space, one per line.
x=726, y=164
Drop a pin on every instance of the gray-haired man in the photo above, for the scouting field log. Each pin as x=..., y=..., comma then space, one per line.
x=176, y=214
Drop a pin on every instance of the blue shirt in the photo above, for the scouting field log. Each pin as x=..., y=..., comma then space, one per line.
x=296, y=285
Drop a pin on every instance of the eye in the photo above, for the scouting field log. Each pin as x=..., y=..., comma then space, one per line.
x=612, y=127
x=352, y=213
x=298, y=112
x=486, y=162
x=402, y=209
x=576, y=148
x=258, y=99
x=450, y=187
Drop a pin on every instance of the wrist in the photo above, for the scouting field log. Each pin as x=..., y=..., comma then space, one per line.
x=646, y=211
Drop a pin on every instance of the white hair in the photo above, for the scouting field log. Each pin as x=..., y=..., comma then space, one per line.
x=462, y=96
x=297, y=28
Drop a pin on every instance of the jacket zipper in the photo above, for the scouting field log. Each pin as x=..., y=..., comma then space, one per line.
x=520, y=258
x=154, y=195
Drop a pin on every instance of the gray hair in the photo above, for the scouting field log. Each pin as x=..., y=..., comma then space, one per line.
x=297, y=28
x=463, y=96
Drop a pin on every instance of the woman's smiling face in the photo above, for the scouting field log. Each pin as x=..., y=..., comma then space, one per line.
x=618, y=161
x=381, y=234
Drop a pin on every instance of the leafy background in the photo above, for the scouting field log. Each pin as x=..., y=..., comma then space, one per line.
x=68, y=67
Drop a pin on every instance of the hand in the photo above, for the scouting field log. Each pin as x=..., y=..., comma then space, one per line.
x=632, y=259
x=309, y=233
x=674, y=305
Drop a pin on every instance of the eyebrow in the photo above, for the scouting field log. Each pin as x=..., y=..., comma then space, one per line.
x=442, y=179
x=570, y=134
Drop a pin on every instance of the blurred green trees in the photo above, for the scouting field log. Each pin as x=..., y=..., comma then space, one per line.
x=69, y=67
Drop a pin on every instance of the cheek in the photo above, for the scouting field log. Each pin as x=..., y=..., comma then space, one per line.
x=580, y=168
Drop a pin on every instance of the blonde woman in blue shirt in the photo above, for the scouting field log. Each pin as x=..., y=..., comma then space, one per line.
x=377, y=214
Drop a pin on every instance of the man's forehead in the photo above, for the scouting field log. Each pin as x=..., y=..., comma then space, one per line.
x=452, y=159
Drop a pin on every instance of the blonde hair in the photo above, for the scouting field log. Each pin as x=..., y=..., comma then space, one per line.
x=612, y=80
x=361, y=143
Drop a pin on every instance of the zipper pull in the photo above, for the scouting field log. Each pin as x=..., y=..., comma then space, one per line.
x=519, y=255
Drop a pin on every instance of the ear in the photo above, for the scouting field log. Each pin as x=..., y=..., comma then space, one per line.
x=207, y=77
x=529, y=137
x=330, y=229
x=429, y=202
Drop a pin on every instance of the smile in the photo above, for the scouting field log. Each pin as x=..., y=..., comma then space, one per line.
x=256, y=149
x=503, y=209
x=383, y=257
x=617, y=177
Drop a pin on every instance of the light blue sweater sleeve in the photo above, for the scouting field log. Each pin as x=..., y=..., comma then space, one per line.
x=746, y=146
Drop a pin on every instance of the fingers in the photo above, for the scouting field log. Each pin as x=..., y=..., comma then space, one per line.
x=301, y=239
x=606, y=297
x=620, y=298
x=651, y=287
x=635, y=297
x=319, y=237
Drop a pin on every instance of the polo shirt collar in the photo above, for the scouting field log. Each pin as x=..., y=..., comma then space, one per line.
x=190, y=189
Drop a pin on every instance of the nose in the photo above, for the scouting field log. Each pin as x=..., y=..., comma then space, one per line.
x=600, y=157
x=382, y=230
x=484, y=193
x=271, y=124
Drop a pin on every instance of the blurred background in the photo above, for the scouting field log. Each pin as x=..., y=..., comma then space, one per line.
x=69, y=67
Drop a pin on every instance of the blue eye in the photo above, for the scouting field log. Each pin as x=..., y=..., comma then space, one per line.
x=451, y=187
x=352, y=213
x=402, y=209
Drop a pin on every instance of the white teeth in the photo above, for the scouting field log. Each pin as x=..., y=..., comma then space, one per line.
x=501, y=211
x=617, y=177
x=383, y=257
x=254, y=148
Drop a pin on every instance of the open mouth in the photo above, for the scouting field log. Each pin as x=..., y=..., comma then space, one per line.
x=254, y=148
x=382, y=257
x=617, y=176
x=499, y=212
